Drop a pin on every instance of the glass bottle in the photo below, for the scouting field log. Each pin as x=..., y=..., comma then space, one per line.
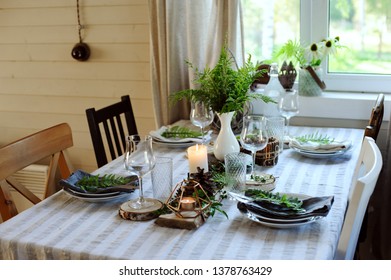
x=273, y=90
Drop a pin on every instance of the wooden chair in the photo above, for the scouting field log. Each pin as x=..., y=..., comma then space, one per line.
x=110, y=117
x=366, y=173
x=375, y=121
x=48, y=143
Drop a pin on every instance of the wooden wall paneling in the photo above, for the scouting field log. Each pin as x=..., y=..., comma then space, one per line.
x=9, y=4
x=139, y=71
x=40, y=83
x=77, y=88
x=101, y=52
x=89, y=15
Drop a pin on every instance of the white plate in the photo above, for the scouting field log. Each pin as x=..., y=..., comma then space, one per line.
x=91, y=195
x=282, y=221
x=99, y=198
x=320, y=154
x=310, y=220
x=173, y=144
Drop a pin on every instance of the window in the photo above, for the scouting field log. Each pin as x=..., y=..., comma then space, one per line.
x=364, y=27
x=268, y=24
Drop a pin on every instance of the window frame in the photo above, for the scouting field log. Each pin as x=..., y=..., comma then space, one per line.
x=315, y=27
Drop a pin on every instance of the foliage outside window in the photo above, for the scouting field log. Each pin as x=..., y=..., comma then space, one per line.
x=363, y=25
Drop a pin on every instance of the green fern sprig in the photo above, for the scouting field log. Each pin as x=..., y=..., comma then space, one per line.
x=291, y=50
x=315, y=137
x=290, y=202
x=91, y=183
x=180, y=132
x=224, y=88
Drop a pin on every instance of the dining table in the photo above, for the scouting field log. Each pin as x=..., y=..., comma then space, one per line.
x=64, y=227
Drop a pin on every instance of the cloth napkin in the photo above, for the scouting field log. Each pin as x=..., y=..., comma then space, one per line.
x=315, y=146
x=314, y=206
x=157, y=134
x=70, y=183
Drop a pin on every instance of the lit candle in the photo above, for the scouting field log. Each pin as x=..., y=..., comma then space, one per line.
x=198, y=157
x=188, y=203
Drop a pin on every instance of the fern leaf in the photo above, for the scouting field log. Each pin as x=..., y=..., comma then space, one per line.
x=180, y=132
x=315, y=137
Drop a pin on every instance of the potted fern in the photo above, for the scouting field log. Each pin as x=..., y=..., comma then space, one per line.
x=225, y=89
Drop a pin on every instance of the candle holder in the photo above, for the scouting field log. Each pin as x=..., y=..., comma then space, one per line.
x=189, y=200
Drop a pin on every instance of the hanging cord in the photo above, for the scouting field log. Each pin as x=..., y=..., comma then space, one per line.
x=79, y=26
x=80, y=51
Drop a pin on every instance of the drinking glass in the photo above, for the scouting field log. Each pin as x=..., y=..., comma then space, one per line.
x=201, y=116
x=254, y=135
x=289, y=106
x=139, y=159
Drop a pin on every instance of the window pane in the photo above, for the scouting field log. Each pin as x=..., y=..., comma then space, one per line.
x=364, y=27
x=268, y=24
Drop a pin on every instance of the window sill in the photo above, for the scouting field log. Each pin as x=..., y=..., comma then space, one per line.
x=342, y=105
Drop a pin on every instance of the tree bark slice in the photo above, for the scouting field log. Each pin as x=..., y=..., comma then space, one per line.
x=172, y=221
x=128, y=213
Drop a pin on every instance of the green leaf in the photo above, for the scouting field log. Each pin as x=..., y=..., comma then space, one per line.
x=266, y=178
x=225, y=88
x=292, y=203
x=315, y=137
x=181, y=132
x=93, y=182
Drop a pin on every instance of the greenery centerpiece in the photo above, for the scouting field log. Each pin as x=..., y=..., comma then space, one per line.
x=308, y=59
x=225, y=89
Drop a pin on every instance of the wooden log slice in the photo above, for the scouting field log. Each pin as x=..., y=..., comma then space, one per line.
x=173, y=221
x=128, y=213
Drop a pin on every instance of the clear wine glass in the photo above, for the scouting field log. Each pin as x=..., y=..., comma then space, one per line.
x=289, y=106
x=254, y=136
x=201, y=116
x=139, y=159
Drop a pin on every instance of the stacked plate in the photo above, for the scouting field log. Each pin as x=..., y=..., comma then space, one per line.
x=280, y=217
x=335, y=148
x=99, y=194
x=96, y=197
x=176, y=142
x=280, y=223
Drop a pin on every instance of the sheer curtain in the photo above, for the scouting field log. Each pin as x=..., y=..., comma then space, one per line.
x=185, y=30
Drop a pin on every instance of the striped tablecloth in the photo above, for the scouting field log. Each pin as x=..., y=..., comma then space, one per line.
x=63, y=227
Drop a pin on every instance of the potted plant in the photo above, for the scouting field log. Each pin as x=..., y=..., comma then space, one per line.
x=225, y=89
x=309, y=60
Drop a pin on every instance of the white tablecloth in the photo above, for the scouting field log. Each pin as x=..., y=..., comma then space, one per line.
x=63, y=227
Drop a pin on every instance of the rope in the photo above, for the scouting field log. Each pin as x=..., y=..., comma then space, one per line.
x=79, y=26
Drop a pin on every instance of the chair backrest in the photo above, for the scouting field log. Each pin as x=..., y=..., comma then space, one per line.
x=366, y=173
x=48, y=143
x=110, y=118
x=375, y=121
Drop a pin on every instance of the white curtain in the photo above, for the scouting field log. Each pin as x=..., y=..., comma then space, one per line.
x=188, y=30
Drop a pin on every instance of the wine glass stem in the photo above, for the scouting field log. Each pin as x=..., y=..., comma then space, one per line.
x=253, y=166
x=287, y=126
x=202, y=135
x=140, y=183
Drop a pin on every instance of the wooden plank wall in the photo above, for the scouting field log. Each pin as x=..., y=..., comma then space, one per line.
x=42, y=85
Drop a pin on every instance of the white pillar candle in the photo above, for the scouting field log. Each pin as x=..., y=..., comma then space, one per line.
x=198, y=157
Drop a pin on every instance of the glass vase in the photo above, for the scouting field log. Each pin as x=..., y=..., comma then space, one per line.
x=307, y=85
